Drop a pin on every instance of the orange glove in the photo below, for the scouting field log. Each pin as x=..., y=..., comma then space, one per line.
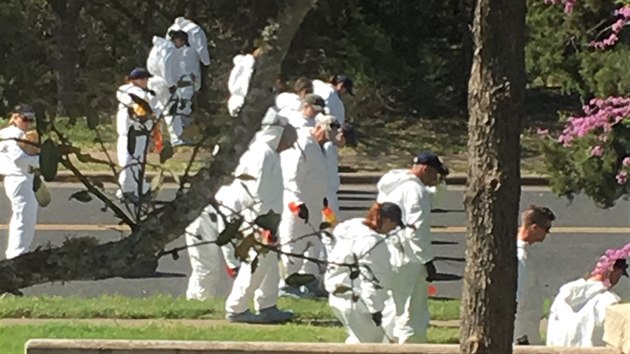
x=231, y=272
x=158, y=139
x=268, y=238
x=300, y=210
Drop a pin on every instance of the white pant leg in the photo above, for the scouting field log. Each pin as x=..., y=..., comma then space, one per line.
x=357, y=321
x=266, y=295
x=315, y=250
x=410, y=294
x=265, y=279
x=288, y=233
x=131, y=166
x=389, y=317
x=207, y=277
x=19, y=190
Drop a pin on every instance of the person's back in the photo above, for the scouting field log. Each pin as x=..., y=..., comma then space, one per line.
x=577, y=314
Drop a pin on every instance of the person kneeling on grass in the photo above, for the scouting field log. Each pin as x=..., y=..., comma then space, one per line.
x=358, y=293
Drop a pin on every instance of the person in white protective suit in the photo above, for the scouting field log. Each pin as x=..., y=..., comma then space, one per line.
x=331, y=92
x=335, y=140
x=311, y=106
x=412, y=254
x=293, y=100
x=16, y=161
x=196, y=52
x=535, y=225
x=261, y=284
x=134, y=122
x=359, y=302
x=578, y=312
x=238, y=81
x=305, y=188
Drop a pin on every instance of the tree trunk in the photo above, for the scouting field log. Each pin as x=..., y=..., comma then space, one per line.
x=138, y=254
x=496, y=93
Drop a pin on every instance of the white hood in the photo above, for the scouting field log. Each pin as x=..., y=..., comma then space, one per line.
x=394, y=178
x=578, y=293
x=349, y=229
x=246, y=61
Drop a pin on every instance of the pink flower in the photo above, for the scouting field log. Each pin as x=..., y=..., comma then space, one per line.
x=626, y=161
x=617, y=26
x=622, y=177
x=542, y=132
x=623, y=12
x=597, y=151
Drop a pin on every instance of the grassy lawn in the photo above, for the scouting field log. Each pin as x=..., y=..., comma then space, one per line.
x=383, y=145
x=13, y=338
x=167, y=307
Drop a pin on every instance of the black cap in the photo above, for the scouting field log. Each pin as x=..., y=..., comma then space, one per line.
x=315, y=101
x=346, y=81
x=25, y=111
x=623, y=265
x=179, y=34
x=393, y=212
x=430, y=159
x=139, y=73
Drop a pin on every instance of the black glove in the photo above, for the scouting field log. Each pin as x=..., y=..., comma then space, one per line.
x=377, y=317
x=303, y=213
x=431, y=271
x=325, y=202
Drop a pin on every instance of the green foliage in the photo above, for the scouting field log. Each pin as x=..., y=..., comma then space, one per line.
x=574, y=169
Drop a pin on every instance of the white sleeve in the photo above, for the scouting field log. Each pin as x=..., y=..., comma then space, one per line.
x=416, y=205
x=375, y=265
x=14, y=152
x=201, y=46
x=521, y=279
x=293, y=162
x=270, y=185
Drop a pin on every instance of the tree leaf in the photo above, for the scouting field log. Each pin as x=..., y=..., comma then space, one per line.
x=213, y=217
x=230, y=232
x=297, y=279
x=131, y=140
x=175, y=255
x=172, y=111
x=241, y=251
x=324, y=225
x=254, y=264
x=167, y=152
x=246, y=177
x=49, y=157
x=341, y=289
x=42, y=194
x=140, y=102
x=269, y=221
x=40, y=118
x=92, y=119
x=82, y=196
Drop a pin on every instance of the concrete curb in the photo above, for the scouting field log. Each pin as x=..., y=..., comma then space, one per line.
x=356, y=178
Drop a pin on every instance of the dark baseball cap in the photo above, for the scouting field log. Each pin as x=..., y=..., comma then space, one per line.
x=347, y=83
x=393, y=212
x=430, y=159
x=623, y=265
x=25, y=111
x=315, y=101
x=139, y=73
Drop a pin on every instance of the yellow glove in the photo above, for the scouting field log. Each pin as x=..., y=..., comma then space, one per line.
x=138, y=110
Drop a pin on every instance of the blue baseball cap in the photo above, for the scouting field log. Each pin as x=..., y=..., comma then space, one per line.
x=139, y=73
x=430, y=159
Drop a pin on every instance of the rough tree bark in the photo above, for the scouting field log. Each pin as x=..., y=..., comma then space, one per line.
x=138, y=254
x=496, y=93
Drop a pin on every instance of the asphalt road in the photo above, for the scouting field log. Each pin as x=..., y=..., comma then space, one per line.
x=581, y=233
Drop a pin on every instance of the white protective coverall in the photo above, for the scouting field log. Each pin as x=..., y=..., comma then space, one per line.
x=131, y=164
x=288, y=101
x=410, y=250
x=578, y=313
x=529, y=296
x=18, y=185
x=238, y=82
x=305, y=181
x=355, y=239
x=262, y=162
x=197, y=53
x=334, y=104
x=170, y=65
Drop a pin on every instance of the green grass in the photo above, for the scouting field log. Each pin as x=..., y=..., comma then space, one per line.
x=13, y=338
x=167, y=307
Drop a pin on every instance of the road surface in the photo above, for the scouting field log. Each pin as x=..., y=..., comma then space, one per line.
x=581, y=233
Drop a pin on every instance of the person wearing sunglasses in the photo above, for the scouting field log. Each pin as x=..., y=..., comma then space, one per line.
x=535, y=225
x=16, y=162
